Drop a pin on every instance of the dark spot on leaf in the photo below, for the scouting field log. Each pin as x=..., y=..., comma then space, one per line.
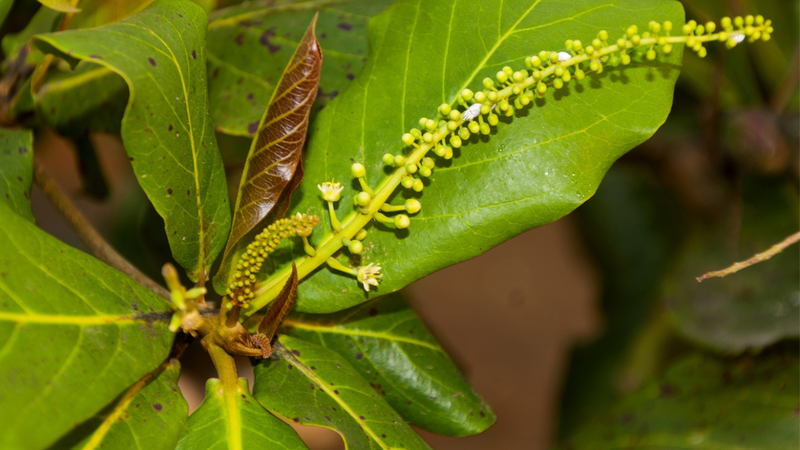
x=373, y=312
x=180, y=15
x=246, y=24
x=337, y=393
x=296, y=420
x=250, y=96
x=313, y=368
x=157, y=407
x=152, y=61
x=361, y=417
x=290, y=367
x=130, y=158
x=383, y=436
x=244, y=396
x=359, y=355
x=264, y=40
x=666, y=390
x=95, y=57
x=323, y=35
x=252, y=127
x=169, y=191
x=296, y=352
x=19, y=178
x=350, y=76
x=345, y=26
x=328, y=418
x=239, y=39
x=188, y=192
x=23, y=150
x=215, y=73
x=169, y=128
x=194, y=54
x=483, y=414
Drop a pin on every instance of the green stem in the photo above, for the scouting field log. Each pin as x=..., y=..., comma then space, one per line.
x=334, y=220
x=223, y=362
x=355, y=221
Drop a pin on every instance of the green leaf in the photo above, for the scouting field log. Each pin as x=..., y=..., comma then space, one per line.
x=5, y=7
x=756, y=306
x=533, y=170
x=16, y=170
x=148, y=416
x=167, y=132
x=90, y=98
x=250, y=44
x=706, y=403
x=74, y=334
x=388, y=345
x=44, y=21
x=276, y=151
x=338, y=398
x=60, y=5
x=235, y=420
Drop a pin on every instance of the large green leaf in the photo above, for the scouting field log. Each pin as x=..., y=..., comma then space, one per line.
x=74, y=334
x=756, y=306
x=250, y=44
x=167, y=132
x=389, y=346
x=706, y=403
x=16, y=170
x=338, y=398
x=90, y=98
x=235, y=420
x=148, y=416
x=533, y=170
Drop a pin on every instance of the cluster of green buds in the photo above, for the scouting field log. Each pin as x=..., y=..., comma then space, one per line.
x=478, y=112
x=242, y=287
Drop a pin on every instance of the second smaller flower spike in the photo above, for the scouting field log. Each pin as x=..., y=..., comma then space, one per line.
x=368, y=275
x=331, y=192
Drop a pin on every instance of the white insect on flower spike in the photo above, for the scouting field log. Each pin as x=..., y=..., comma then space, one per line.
x=738, y=37
x=563, y=56
x=471, y=112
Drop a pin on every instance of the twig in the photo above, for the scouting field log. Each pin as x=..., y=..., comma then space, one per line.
x=774, y=250
x=86, y=232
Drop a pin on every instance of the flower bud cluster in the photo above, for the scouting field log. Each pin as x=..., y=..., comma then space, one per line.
x=244, y=280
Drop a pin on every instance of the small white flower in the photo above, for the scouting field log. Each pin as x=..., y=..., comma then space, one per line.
x=331, y=192
x=563, y=56
x=471, y=112
x=738, y=37
x=368, y=275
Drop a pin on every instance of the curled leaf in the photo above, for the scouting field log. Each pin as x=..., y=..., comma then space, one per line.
x=280, y=307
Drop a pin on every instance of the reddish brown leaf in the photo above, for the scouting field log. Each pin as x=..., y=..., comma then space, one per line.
x=279, y=307
x=277, y=147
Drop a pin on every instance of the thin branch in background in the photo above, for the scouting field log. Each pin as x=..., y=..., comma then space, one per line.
x=774, y=250
x=86, y=232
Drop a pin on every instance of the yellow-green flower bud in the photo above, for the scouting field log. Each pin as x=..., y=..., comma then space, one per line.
x=455, y=141
x=428, y=162
x=408, y=139
x=411, y=168
x=492, y=119
x=444, y=109
x=361, y=235
x=448, y=154
x=622, y=43
x=356, y=247
x=363, y=198
x=492, y=96
x=430, y=125
x=407, y=182
x=651, y=54
x=418, y=185
x=667, y=26
x=358, y=170
x=667, y=49
x=738, y=21
x=463, y=132
x=425, y=171
x=427, y=138
x=488, y=83
x=566, y=77
x=726, y=23
x=416, y=133
x=603, y=35
x=535, y=61
x=576, y=45
x=579, y=74
x=466, y=94
x=388, y=159
x=501, y=76
x=402, y=221
x=626, y=59
x=480, y=97
x=558, y=83
x=413, y=206
x=711, y=27
x=439, y=150
x=474, y=126
x=399, y=160
x=452, y=125
x=455, y=115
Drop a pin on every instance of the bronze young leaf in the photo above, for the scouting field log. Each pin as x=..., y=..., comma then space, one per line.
x=277, y=148
x=277, y=311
